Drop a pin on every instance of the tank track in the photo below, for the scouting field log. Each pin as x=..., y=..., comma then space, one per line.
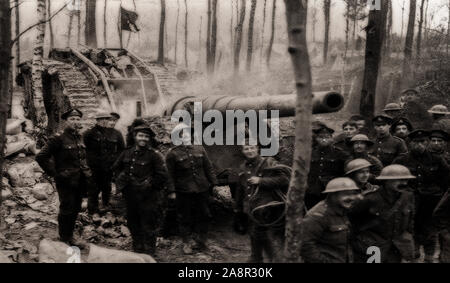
x=78, y=88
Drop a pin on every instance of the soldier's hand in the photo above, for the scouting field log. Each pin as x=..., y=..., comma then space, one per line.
x=254, y=180
x=172, y=196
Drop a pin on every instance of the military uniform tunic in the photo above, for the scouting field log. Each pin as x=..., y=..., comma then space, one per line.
x=387, y=148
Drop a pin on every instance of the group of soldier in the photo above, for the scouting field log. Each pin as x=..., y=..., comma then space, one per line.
x=380, y=191
x=384, y=187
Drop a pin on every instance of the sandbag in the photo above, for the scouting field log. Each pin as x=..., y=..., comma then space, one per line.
x=56, y=252
x=103, y=255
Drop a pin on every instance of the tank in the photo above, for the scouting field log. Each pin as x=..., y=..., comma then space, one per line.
x=119, y=80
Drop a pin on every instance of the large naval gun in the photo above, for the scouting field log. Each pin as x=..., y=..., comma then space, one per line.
x=119, y=80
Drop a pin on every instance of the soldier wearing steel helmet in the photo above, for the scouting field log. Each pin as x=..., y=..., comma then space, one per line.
x=141, y=176
x=326, y=228
x=384, y=218
x=387, y=147
x=393, y=110
x=361, y=146
x=430, y=185
x=359, y=171
x=440, y=113
x=103, y=146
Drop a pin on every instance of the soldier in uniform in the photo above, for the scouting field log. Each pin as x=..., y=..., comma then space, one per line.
x=326, y=230
x=360, y=149
x=327, y=163
x=432, y=182
x=441, y=220
x=384, y=218
x=393, y=110
x=439, y=114
x=191, y=182
x=70, y=171
x=439, y=144
x=140, y=176
x=350, y=129
x=359, y=171
x=360, y=123
x=387, y=147
x=130, y=133
x=401, y=127
x=103, y=146
x=260, y=179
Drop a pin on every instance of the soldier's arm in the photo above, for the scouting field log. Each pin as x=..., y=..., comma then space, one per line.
x=279, y=178
x=170, y=163
x=45, y=155
x=118, y=164
x=159, y=171
x=209, y=171
x=312, y=231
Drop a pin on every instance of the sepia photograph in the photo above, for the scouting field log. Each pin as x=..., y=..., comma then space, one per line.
x=242, y=133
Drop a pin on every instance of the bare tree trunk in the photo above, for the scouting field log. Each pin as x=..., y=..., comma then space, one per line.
x=5, y=64
x=105, y=40
x=237, y=48
x=387, y=52
x=250, y=36
x=326, y=11
x=176, y=31
x=272, y=37
x=208, y=38
x=426, y=23
x=314, y=21
x=296, y=15
x=90, y=29
x=407, y=70
x=37, y=66
x=403, y=19
x=69, y=31
x=213, y=36
x=375, y=35
x=263, y=29
x=200, y=43
x=448, y=29
x=16, y=2
x=186, y=35
x=355, y=21
x=50, y=26
x=161, y=32
x=347, y=29
x=419, y=32
x=78, y=28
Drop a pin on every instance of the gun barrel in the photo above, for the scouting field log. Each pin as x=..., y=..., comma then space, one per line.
x=323, y=102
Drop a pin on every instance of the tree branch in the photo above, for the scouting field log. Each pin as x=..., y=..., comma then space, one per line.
x=15, y=6
x=36, y=24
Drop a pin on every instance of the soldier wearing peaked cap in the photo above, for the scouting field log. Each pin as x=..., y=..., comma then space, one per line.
x=103, y=146
x=141, y=176
x=70, y=171
x=439, y=144
x=387, y=147
x=361, y=145
x=327, y=163
x=384, y=218
x=401, y=128
x=191, y=181
x=326, y=228
x=432, y=173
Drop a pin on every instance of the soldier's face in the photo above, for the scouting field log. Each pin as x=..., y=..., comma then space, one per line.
x=250, y=151
x=360, y=147
x=324, y=140
x=350, y=131
x=73, y=122
x=360, y=124
x=418, y=145
x=346, y=199
x=103, y=122
x=362, y=176
x=381, y=129
x=112, y=123
x=142, y=139
x=401, y=131
x=396, y=185
x=437, y=144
